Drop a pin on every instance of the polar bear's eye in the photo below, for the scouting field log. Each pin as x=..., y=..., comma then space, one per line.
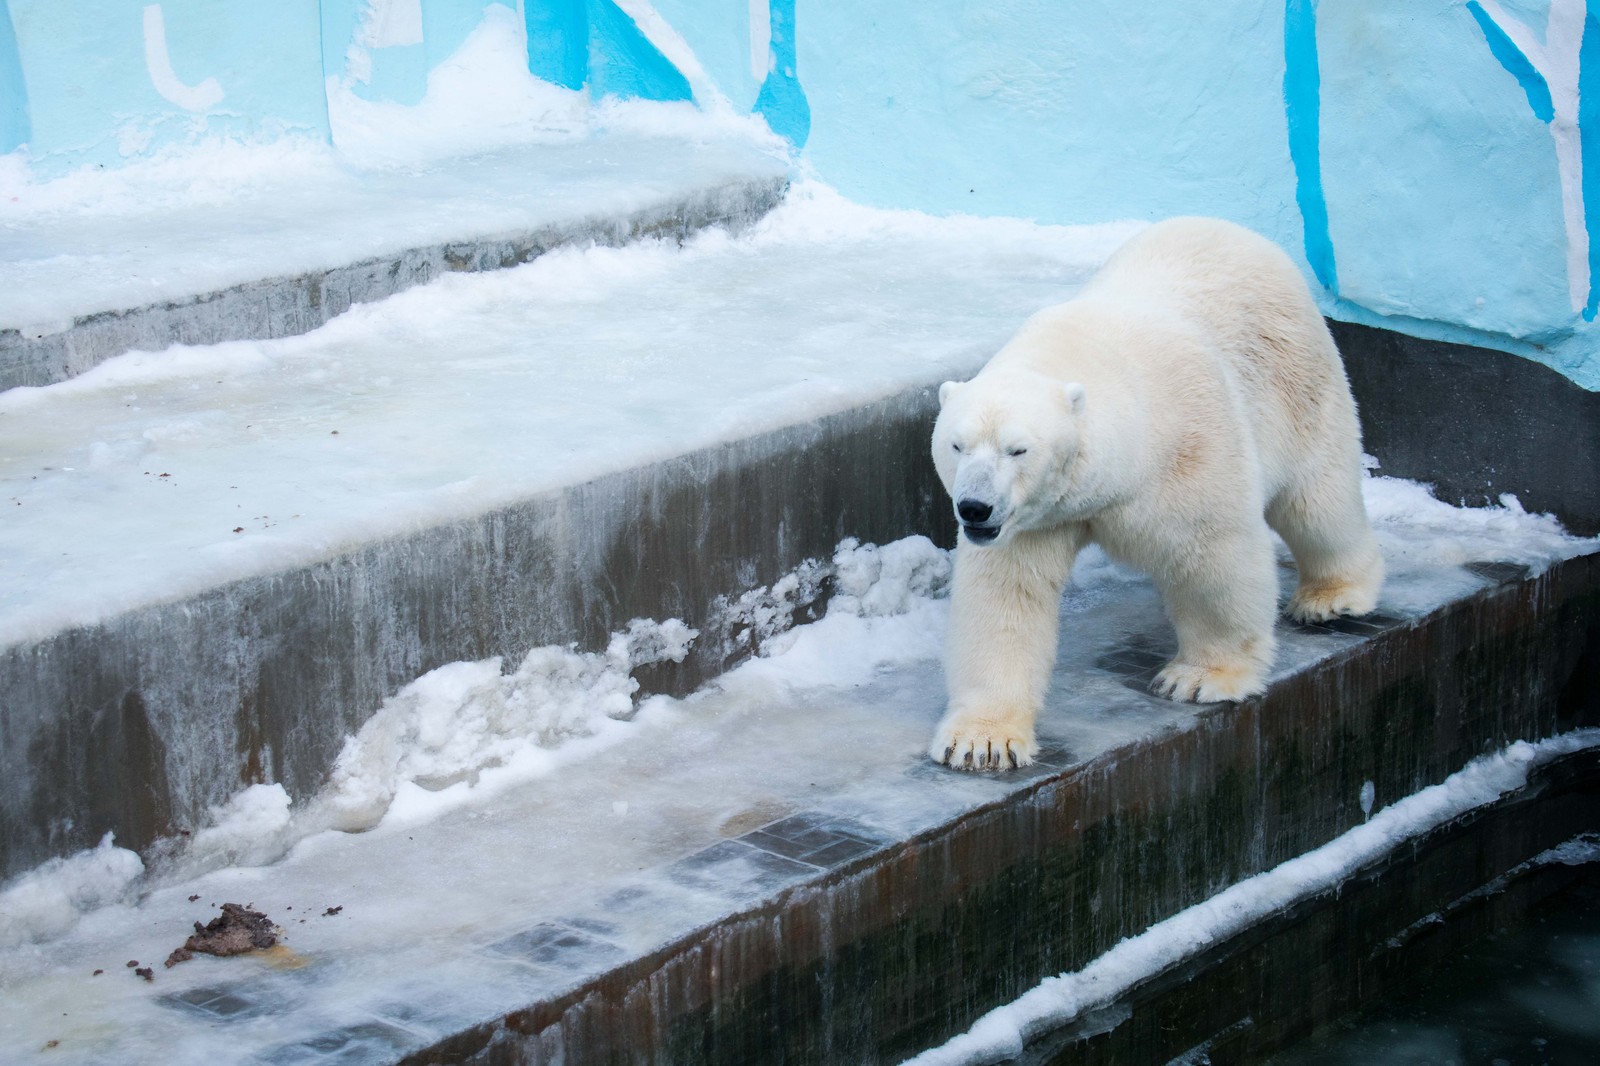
x=1014, y=452
x=955, y=448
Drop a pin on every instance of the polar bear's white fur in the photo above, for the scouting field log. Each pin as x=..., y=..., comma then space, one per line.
x=1189, y=398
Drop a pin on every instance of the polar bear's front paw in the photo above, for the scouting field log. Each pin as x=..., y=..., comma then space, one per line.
x=984, y=742
x=1200, y=684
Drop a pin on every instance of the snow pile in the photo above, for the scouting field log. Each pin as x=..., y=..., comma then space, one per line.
x=1002, y=1033
x=48, y=900
x=878, y=582
x=888, y=609
x=251, y=829
x=861, y=580
x=1418, y=532
x=453, y=723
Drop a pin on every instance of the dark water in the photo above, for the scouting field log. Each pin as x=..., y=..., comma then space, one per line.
x=1527, y=997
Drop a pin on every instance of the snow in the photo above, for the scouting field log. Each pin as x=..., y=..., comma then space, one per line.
x=458, y=808
x=48, y=900
x=468, y=731
x=1002, y=1033
x=454, y=722
x=476, y=391
x=490, y=151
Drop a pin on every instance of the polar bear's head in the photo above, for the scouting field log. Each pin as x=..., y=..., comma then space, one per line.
x=1003, y=445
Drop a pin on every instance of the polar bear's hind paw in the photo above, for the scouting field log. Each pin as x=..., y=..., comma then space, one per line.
x=1324, y=601
x=1187, y=683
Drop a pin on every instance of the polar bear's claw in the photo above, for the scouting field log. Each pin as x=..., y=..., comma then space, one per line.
x=983, y=744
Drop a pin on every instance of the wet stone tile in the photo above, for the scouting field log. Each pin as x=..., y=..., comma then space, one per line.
x=732, y=866
x=1365, y=626
x=1053, y=756
x=577, y=946
x=1498, y=573
x=1125, y=659
x=220, y=1003
x=363, y=1042
x=816, y=838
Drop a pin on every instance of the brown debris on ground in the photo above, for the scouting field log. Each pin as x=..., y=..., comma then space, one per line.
x=236, y=931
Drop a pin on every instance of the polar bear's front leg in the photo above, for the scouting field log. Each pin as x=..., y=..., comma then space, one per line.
x=1000, y=648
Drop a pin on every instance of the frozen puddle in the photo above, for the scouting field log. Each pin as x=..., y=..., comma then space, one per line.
x=515, y=875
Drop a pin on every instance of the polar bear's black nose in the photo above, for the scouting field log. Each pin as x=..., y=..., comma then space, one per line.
x=974, y=512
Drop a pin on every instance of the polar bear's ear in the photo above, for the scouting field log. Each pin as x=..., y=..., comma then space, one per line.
x=946, y=390
x=1073, y=395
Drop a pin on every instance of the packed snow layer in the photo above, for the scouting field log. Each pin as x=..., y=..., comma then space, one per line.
x=1002, y=1033
x=155, y=476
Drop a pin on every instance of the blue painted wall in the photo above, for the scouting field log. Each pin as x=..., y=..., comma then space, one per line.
x=1434, y=164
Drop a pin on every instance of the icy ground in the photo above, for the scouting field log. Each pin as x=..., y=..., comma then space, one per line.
x=220, y=462
x=510, y=804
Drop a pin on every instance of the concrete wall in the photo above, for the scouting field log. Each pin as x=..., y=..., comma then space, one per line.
x=1433, y=163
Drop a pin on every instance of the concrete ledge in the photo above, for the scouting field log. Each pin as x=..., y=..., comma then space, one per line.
x=140, y=724
x=895, y=950
x=287, y=306
x=1364, y=942
x=1476, y=422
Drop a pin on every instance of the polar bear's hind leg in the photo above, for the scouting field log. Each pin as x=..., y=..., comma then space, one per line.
x=1223, y=612
x=1325, y=527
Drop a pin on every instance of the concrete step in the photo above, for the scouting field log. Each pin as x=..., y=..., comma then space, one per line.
x=217, y=562
x=281, y=258
x=773, y=871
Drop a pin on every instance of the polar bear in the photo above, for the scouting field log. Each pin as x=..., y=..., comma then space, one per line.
x=1189, y=398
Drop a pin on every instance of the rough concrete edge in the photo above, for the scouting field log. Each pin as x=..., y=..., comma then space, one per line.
x=533, y=1034
x=1509, y=883
x=291, y=305
x=1476, y=422
x=216, y=671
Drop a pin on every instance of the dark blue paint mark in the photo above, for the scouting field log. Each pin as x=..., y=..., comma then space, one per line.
x=15, y=127
x=1589, y=146
x=558, y=41
x=1302, y=99
x=782, y=102
x=1503, y=48
x=623, y=62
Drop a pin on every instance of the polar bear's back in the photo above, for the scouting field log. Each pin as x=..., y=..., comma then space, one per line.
x=1250, y=306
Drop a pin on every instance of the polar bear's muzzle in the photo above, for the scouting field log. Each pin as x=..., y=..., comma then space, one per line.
x=977, y=520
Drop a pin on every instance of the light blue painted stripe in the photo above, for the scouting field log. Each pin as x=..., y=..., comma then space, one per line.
x=1589, y=146
x=558, y=41
x=782, y=102
x=1520, y=66
x=1302, y=100
x=623, y=62
x=15, y=128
